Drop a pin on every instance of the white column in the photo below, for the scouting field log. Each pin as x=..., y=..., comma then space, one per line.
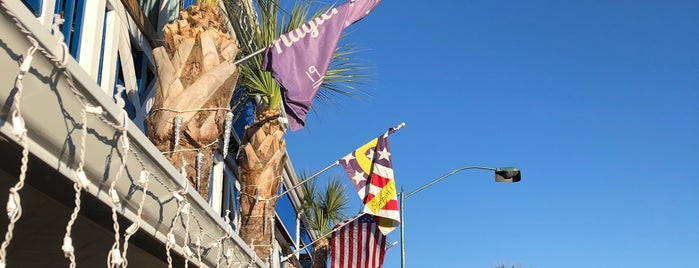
x=91, y=36
x=216, y=184
x=109, y=57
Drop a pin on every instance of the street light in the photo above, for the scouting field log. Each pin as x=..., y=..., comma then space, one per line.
x=504, y=174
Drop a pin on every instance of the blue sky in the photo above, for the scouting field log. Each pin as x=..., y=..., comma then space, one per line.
x=597, y=102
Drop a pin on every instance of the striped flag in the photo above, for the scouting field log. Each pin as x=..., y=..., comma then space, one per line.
x=357, y=244
x=371, y=172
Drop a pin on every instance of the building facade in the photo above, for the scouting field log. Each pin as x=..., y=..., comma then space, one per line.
x=77, y=168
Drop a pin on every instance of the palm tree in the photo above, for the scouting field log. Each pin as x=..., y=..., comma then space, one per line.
x=196, y=78
x=324, y=209
x=263, y=154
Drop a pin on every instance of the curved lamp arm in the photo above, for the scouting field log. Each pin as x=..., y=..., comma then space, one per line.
x=447, y=175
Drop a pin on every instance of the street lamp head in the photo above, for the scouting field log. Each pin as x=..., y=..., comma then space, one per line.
x=507, y=174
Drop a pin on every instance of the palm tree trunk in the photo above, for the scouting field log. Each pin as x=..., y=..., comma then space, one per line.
x=261, y=165
x=320, y=253
x=195, y=70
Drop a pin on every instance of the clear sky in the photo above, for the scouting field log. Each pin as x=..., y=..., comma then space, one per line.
x=597, y=102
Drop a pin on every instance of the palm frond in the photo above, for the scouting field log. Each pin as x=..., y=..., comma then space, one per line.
x=325, y=207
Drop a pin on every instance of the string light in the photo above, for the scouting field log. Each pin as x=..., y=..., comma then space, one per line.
x=198, y=245
x=185, y=247
x=14, y=205
x=18, y=125
x=200, y=163
x=143, y=181
x=178, y=128
x=178, y=196
x=116, y=257
x=227, y=133
x=115, y=197
x=82, y=178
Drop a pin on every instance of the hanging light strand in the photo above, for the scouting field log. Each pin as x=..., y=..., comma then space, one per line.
x=81, y=181
x=14, y=205
x=143, y=181
x=115, y=258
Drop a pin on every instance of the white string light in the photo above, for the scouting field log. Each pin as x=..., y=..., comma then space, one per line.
x=14, y=204
x=171, y=242
x=200, y=163
x=198, y=245
x=80, y=183
x=143, y=181
x=178, y=128
x=227, y=133
x=185, y=247
x=116, y=257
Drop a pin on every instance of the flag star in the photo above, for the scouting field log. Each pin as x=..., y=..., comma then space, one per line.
x=347, y=158
x=384, y=154
x=358, y=177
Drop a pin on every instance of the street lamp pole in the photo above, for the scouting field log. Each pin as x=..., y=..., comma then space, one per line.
x=506, y=174
x=402, y=231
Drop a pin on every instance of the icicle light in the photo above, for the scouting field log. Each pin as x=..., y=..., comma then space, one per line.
x=178, y=128
x=227, y=133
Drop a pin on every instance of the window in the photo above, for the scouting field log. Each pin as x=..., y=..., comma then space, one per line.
x=72, y=12
x=35, y=6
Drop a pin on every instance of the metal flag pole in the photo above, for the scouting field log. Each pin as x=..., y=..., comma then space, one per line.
x=390, y=131
x=249, y=56
x=324, y=235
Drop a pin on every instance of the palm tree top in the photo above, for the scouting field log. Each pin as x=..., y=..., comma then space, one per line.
x=344, y=74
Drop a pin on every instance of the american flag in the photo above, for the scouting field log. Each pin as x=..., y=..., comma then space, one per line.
x=370, y=170
x=357, y=244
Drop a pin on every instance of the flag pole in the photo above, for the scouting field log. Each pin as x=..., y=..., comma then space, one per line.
x=348, y=221
x=390, y=131
x=249, y=56
x=309, y=178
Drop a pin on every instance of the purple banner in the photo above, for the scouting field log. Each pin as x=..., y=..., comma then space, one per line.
x=299, y=59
